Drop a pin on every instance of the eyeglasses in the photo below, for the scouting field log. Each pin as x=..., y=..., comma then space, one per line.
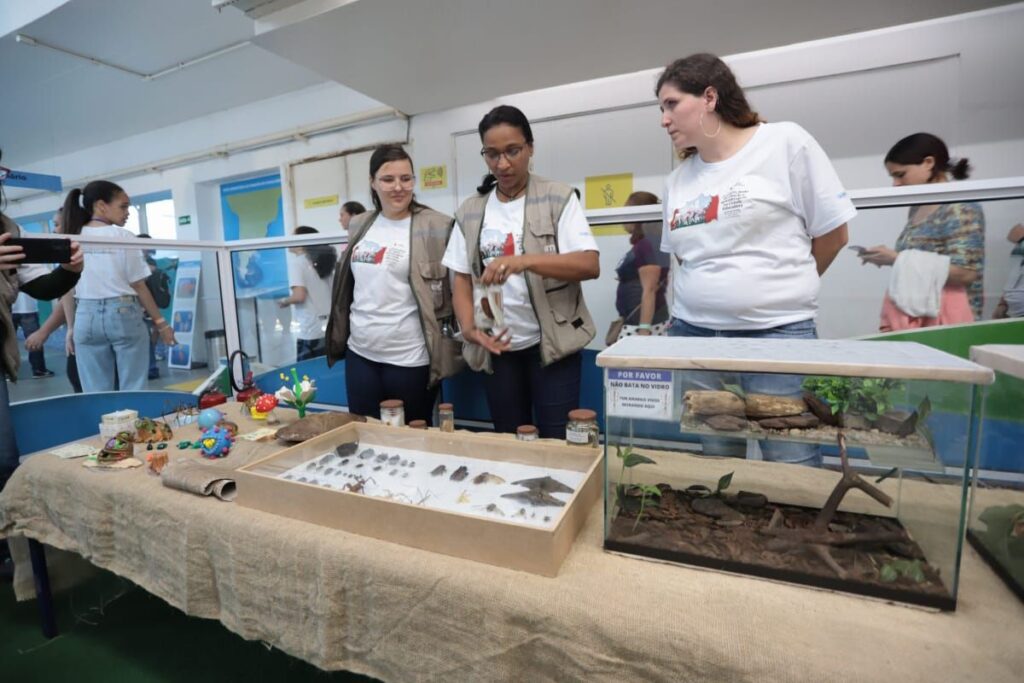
x=4, y=172
x=492, y=156
x=392, y=181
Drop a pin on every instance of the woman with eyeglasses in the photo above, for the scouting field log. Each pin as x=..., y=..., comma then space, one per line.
x=521, y=248
x=391, y=302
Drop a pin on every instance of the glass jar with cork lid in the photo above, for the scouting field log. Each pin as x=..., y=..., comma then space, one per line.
x=581, y=429
x=392, y=412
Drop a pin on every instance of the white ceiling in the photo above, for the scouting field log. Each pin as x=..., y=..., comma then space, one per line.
x=414, y=55
x=56, y=104
x=427, y=56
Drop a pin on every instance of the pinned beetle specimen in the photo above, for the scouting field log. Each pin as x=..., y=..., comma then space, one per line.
x=393, y=460
x=460, y=474
x=545, y=484
x=521, y=513
x=347, y=449
x=535, y=497
x=345, y=461
x=367, y=454
x=392, y=473
x=329, y=471
x=438, y=471
x=488, y=478
x=403, y=463
x=493, y=507
x=383, y=457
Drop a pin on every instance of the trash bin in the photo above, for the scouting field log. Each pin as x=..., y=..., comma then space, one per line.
x=216, y=348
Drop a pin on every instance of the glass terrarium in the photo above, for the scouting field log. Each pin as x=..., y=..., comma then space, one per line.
x=996, y=528
x=844, y=465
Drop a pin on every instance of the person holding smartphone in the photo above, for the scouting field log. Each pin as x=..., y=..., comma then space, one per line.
x=941, y=247
x=109, y=336
x=39, y=282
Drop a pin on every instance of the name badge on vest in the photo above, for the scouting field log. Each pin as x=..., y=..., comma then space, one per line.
x=550, y=248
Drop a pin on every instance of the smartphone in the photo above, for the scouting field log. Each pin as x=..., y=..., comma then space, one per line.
x=859, y=250
x=42, y=249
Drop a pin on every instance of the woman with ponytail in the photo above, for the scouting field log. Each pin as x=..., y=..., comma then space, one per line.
x=310, y=274
x=391, y=304
x=109, y=336
x=522, y=246
x=955, y=232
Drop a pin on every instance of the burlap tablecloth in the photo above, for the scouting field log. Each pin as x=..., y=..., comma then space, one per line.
x=342, y=601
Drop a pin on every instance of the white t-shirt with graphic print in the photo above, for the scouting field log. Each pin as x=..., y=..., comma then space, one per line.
x=502, y=235
x=739, y=231
x=384, y=320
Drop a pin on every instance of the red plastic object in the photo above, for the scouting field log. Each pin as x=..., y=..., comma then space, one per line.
x=210, y=398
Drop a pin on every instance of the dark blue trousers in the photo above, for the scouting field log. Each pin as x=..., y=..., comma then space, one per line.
x=369, y=382
x=521, y=391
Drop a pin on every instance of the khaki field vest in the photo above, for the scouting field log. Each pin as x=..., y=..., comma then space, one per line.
x=565, y=322
x=428, y=279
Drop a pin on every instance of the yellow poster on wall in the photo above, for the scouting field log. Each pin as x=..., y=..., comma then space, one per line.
x=434, y=177
x=317, y=202
x=606, y=192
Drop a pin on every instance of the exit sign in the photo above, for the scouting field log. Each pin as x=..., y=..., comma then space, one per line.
x=184, y=220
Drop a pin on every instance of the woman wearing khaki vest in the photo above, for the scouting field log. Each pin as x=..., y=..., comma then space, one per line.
x=391, y=297
x=527, y=239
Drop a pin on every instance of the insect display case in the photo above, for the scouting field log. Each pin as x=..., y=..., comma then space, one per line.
x=996, y=529
x=844, y=465
x=487, y=498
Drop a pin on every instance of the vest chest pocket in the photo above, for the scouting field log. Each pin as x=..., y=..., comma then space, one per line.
x=435, y=280
x=542, y=238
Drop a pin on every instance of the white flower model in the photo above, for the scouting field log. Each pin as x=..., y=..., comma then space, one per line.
x=299, y=394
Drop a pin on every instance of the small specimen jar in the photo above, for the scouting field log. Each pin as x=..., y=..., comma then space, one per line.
x=526, y=433
x=392, y=412
x=446, y=416
x=418, y=424
x=581, y=430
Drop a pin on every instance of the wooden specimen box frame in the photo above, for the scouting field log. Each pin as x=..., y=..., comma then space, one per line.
x=489, y=540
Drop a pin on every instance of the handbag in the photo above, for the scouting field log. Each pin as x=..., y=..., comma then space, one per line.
x=616, y=328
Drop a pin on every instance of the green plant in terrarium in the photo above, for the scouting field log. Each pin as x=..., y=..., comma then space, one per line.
x=629, y=461
x=704, y=492
x=645, y=491
x=869, y=397
x=894, y=569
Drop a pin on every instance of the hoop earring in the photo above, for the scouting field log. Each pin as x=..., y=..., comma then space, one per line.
x=707, y=134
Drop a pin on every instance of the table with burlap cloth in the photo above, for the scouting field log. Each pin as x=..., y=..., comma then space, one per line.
x=342, y=601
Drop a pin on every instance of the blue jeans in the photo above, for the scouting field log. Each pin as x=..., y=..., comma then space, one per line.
x=8, y=448
x=369, y=382
x=29, y=323
x=755, y=383
x=110, y=337
x=310, y=348
x=521, y=391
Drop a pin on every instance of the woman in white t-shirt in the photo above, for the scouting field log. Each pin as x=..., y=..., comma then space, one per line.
x=310, y=272
x=391, y=300
x=754, y=215
x=110, y=338
x=529, y=236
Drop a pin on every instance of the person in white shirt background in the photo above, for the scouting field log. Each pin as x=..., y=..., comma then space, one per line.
x=524, y=384
x=26, y=316
x=754, y=215
x=310, y=274
x=109, y=336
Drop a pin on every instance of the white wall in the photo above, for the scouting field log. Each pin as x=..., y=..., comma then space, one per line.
x=857, y=94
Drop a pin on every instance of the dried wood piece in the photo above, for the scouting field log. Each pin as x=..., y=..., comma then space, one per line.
x=821, y=410
x=705, y=402
x=765, y=405
x=805, y=421
x=726, y=423
x=818, y=538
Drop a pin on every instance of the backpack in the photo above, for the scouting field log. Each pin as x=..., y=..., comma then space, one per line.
x=160, y=287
